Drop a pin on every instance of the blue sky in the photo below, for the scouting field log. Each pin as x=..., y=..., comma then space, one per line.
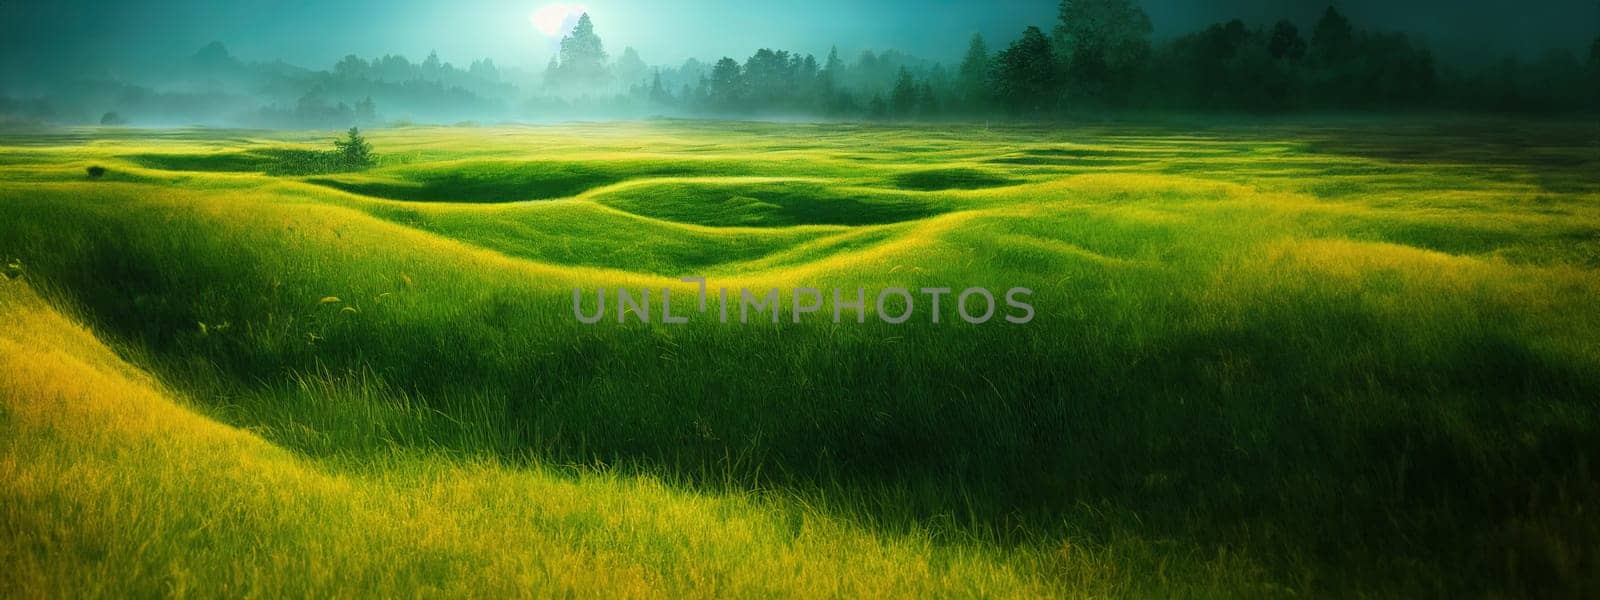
x=315, y=33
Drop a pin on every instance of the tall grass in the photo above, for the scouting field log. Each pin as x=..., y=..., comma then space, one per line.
x=1321, y=360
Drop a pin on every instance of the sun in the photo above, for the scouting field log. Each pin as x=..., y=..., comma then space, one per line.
x=555, y=20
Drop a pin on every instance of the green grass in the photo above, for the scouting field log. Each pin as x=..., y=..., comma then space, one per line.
x=762, y=203
x=1309, y=359
x=947, y=179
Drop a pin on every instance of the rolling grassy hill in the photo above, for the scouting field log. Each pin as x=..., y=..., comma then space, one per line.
x=1317, y=359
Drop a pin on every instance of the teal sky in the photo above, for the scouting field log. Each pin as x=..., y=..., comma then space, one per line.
x=315, y=33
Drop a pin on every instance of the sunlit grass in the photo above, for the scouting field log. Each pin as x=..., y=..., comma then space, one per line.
x=109, y=486
x=1293, y=358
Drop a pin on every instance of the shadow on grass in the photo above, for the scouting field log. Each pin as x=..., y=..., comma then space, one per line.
x=505, y=181
x=769, y=204
x=950, y=179
x=1559, y=157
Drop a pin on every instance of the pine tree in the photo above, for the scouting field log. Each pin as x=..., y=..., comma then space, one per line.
x=973, y=77
x=659, y=94
x=877, y=109
x=1333, y=39
x=1286, y=42
x=1102, y=44
x=927, y=101
x=904, y=97
x=630, y=69
x=725, y=87
x=1024, y=76
x=353, y=152
x=552, y=72
x=828, y=82
x=432, y=68
x=583, y=57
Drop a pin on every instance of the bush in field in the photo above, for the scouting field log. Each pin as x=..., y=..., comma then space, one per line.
x=353, y=152
x=96, y=171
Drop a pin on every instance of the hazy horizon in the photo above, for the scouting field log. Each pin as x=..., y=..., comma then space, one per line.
x=76, y=33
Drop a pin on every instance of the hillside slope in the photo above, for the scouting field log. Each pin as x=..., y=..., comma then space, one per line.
x=108, y=484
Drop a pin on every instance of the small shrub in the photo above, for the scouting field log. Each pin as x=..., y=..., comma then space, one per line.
x=354, y=151
x=299, y=162
x=96, y=171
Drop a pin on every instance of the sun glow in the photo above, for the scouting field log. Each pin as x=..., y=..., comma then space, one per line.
x=555, y=20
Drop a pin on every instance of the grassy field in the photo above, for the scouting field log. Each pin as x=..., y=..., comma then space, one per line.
x=1349, y=357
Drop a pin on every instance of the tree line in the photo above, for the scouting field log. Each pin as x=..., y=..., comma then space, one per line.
x=1099, y=56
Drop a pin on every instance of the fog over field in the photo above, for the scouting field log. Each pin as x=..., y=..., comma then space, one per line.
x=292, y=65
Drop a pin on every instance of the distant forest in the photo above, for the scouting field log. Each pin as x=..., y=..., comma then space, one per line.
x=1098, y=57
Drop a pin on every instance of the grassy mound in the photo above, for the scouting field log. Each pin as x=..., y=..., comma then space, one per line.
x=503, y=181
x=767, y=203
x=586, y=234
x=271, y=161
x=103, y=475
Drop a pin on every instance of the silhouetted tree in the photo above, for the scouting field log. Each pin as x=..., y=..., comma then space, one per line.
x=1100, y=54
x=1103, y=44
x=484, y=70
x=1390, y=71
x=828, y=79
x=723, y=88
x=1212, y=66
x=1594, y=75
x=877, y=109
x=1333, y=39
x=313, y=109
x=630, y=68
x=552, y=72
x=769, y=80
x=659, y=94
x=903, y=100
x=1334, y=80
x=806, y=80
x=583, y=57
x=1024, y=77
x=973, y=76
x=1286, y=42
x=432, y=67
x=927, y=101
x=351, y=67
x=867, y=67
x=214, y=59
